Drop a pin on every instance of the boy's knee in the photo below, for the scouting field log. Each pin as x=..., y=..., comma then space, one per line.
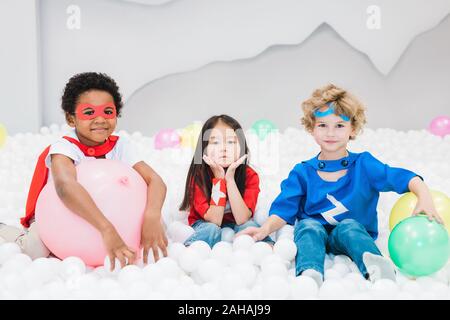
x=309, y=225
x=350, y=224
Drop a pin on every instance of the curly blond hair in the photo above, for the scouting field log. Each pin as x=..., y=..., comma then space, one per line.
x=344, y=102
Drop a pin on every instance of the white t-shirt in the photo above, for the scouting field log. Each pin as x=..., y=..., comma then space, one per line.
x=123, y=151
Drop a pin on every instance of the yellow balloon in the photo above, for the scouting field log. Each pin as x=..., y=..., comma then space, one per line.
x=3, y=135
x=189, y=135
x=405, y=205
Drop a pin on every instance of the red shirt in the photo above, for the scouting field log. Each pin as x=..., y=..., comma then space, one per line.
x=201, y=203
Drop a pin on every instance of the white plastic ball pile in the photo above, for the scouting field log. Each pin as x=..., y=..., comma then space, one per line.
x=237, y=267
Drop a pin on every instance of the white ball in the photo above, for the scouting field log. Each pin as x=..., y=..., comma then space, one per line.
x=7, y=250
x=259, y=251
x=276, y=288
x=17, y=263
x=426, y=282
x=411, y=287
x=384, y=289
x=175, y=249
x=229, y=283
x=130, y=274
x=273, y=269
x=243, y=242
x=153, y=274
x=304, y=288
x=44, y=130
x=332, y=274
x=168, y=285
x=223, y=252
x=342, y=259
x=169, y=267
x=247, y=272
x=287, y=231
x=241, y=256
x=202, y=248
x=274, y=258
x=441, y=290
x=227, y=234
x=286, y=249
x=243, y=294
x=332, y=289
x=137, y=291
x=54, y=128
x=210, y=291
x=72, y=266
x=328, y=263
x=179, y=232
x=181, y=293
x=41, y=271
x=209, y=270
x=189, y=260
x=341, y=268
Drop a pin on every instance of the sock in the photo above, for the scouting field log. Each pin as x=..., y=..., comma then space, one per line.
x=315, y=275
x=378, y=267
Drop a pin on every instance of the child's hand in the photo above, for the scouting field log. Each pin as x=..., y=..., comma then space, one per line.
x=117, y=248
x=218, y=171
x=426, y=205
x=232, y=168
x=153, y=237
x=257, y=233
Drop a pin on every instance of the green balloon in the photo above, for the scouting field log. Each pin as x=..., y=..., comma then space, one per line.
x=419, y=247
x=263, y=127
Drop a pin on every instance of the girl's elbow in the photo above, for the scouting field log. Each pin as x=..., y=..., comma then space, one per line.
x=240, y=221
x=213, y=220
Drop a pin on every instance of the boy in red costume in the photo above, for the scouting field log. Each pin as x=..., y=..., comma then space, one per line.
x=91, y=103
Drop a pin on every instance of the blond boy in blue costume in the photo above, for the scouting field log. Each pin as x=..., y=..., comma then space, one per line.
x=332, y=198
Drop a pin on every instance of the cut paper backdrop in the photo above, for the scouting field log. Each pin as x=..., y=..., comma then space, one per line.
x=138, y=44
x=192, y=33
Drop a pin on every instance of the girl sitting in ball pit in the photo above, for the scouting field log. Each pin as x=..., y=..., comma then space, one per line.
x=91, y=103
x=332, y=197
x=221, y=189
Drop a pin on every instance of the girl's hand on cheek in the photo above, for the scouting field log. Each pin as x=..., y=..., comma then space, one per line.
x=218, y=171
x=232, y=168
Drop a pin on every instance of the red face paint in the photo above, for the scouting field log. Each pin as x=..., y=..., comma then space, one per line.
x=87, y=111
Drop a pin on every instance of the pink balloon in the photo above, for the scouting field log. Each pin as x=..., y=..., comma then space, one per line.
x=167, y=138
x=118, y=191
x=440, y=126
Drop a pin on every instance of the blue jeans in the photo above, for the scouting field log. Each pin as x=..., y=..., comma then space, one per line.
x=211, y=233
x=313, y=241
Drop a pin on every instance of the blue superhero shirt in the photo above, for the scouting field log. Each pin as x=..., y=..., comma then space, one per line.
x=304, y=194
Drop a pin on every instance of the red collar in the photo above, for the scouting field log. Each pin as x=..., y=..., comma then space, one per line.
x=95, y=151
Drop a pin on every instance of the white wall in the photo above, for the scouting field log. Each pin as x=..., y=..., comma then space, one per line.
x=234, y=49
x=19, y=66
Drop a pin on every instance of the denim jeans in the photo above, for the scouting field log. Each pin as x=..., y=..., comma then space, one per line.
x=313, y=241
x=211, y=233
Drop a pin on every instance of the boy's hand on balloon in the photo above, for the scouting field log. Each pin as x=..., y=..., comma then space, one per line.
x=117, y=248
x=217, y=170
x=232, y=168
x=153, y=238
x=426, y=206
